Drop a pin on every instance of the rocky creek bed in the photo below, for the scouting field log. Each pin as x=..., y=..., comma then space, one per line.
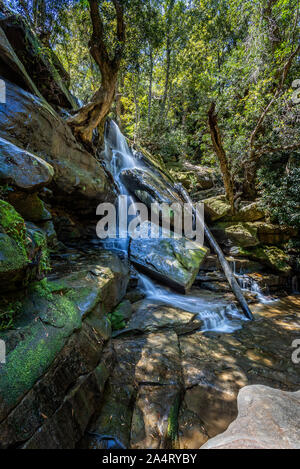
x=92, y=359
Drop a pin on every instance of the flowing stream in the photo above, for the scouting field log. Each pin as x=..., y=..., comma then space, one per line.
x=216, y=315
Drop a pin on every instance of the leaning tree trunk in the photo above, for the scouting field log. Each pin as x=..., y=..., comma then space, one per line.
x=93, y=115
x=220, y=152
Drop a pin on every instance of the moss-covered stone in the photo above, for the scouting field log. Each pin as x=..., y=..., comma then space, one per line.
x=24, y=253
x=216, y=207
x=271, y=256
x=30, y=206
x=243, y=234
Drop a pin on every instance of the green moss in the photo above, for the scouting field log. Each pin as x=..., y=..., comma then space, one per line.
x=172, y=431
x=12, y=223
x=13, y=257
x=9, y=310
x=41, y=242
x=116, y=320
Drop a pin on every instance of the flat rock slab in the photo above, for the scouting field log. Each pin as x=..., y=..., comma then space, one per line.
x=150, y=316
x=267, y=419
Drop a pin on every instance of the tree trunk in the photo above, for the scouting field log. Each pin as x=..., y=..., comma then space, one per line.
x=94, y=113
x=221, y=155
x=150, y=87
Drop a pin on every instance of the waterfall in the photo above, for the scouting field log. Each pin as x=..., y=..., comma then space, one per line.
x=119, y=157
x=216, y=316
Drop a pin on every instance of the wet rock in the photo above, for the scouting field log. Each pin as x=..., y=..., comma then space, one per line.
x=175, y=262
x=38, y=61
x=79, y=180
x=267, y=419
x=12, y=69
x=22, y=169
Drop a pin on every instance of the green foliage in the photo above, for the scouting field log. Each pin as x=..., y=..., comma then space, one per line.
x=13, y=224
x=280, y=187
x=9, y=310
x=116, y=320
x=41, y=242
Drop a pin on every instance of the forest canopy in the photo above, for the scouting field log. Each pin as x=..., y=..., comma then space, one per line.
x=208, y=81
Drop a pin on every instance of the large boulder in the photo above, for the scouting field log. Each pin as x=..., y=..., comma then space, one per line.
x=40, y=62
x=30, y=206
x=22, y=169
x=174, y=262
x=271, y=256
x=150, y=186
x=267, y=419
x=248, y=212
x=79, y=179
x=216, y=208
x=269, y=233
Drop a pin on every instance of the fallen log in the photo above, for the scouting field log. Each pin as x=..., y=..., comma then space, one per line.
x=215, y=246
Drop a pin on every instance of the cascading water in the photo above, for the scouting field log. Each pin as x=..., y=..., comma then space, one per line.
x=119, y=157
x=215, y=316
x=248, y=284
x=219, y=317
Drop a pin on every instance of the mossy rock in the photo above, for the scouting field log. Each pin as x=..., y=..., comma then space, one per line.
x=243, y=234
x=271, y=256
x=23, y=253
x=216, y=208
x=249, y=212
x=30, y=206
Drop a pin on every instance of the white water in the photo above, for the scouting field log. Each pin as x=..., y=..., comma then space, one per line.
x=122, y=158
x=215, y=316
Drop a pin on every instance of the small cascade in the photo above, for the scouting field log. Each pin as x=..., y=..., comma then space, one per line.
x=216, y=317
x=248, y=284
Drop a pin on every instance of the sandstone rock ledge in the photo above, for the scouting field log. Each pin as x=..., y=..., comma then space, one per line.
x=267, y=419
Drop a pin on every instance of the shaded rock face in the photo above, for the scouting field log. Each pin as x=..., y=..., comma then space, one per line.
x=79, y=179
x=149, y=187
x=170, y=389
x=39, y=64
x=56, y=369
x=11, y=68
x=22, y=169
x=267, y=419
x=175, y=262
